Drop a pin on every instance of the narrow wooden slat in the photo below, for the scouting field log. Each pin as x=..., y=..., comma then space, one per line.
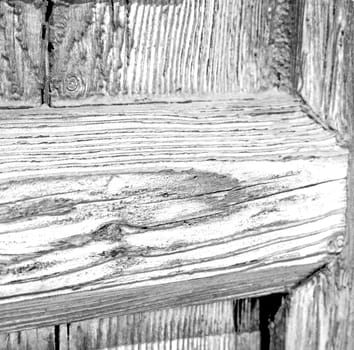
x=205, y=326
x=21, y=52
x=321, y=72
x=319, y=312
x=321, y=308
x=146, y=47
x=32, y=339
x=137, y=206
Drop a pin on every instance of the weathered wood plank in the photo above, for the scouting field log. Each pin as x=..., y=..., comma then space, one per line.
x=321, y=72
x=319, y=312
x=21, y=52
x=321, y=309
x=133, y=207
x=225, y=324
x=32, y=339
x=206, y=326
x=145, y=47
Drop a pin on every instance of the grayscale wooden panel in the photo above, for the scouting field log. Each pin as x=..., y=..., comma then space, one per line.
x=21, y=52
x=320, y=67
x=143, y=206
x=31, y=339
x=103, y=50
x=202, y=327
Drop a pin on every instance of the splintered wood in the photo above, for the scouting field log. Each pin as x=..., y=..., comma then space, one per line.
x=159, y=47
x=21, y=52
x=127, y=208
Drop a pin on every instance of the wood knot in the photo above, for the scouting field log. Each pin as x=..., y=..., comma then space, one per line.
x=111, y=231
x=335, y=245
x=74, y=85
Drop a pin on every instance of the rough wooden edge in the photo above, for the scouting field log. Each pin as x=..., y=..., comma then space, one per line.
x=321, y=314
x=349, y=104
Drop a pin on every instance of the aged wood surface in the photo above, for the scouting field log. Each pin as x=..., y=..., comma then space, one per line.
x=321, y=309
x=138, y=206
x=158, y=47
x=222, y=325
x=21, y=52
x=204, y=327
x=33, y=339
x=319, y=317
x=320, y=68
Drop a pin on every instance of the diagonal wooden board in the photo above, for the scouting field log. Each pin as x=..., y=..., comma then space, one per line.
x=116, y=209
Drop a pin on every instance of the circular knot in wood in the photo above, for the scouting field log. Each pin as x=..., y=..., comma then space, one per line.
x=74, y=85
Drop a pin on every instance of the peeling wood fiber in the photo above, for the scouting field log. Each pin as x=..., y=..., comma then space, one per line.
x=164, y=47
x=132, y=207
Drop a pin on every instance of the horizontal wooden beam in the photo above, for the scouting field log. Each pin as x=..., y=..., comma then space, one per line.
x=133, y=207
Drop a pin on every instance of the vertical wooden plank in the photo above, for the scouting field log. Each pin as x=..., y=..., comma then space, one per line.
x=33, y=339
x=319, y=312
x=203, y=327
x=349, y=115
x=320, y=60
x=64, y=334
x=145, y=47
x=81, y=35
x=321, y=315
x=21, y=52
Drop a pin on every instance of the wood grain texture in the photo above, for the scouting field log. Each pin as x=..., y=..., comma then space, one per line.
x=33, y=339
x=320, y=68
x=224, y=325
x=21, y=52
x=204, y=327
x=319, y=312
x=138, y=206
x=103, y=50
